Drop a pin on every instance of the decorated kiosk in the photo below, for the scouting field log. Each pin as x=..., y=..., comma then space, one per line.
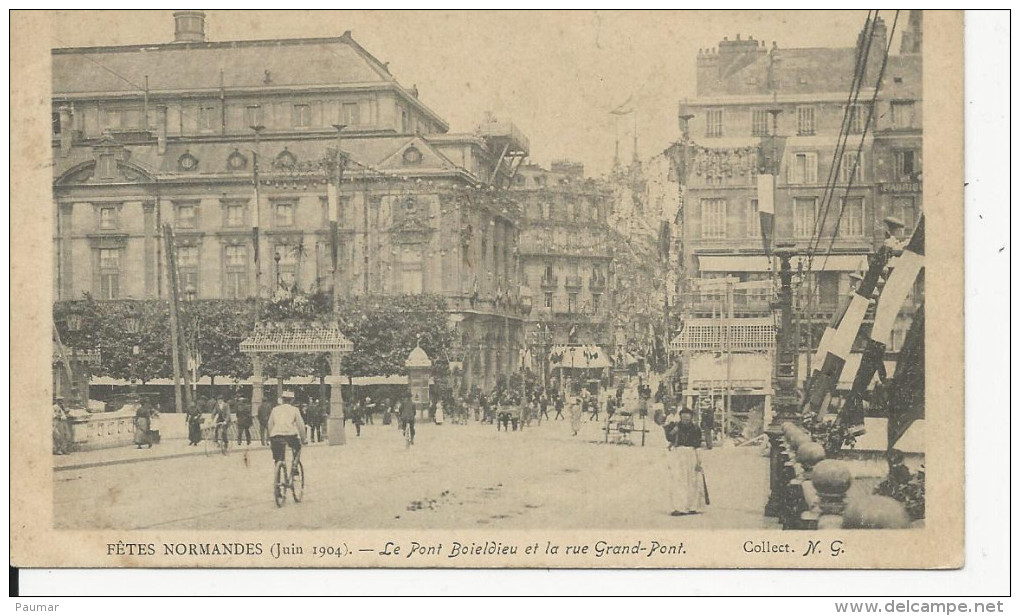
x=301, y=337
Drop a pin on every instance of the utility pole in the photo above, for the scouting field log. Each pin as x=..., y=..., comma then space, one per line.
x=335, y=168
x=175, y=342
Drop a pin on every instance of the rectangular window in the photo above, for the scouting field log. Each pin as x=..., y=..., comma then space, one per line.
x=187, y=265
x=804, y=210
x=902, y=114
x=283, y=215
x=108, y=218
x=403, y=121
x=714, y=120
x=906, y=165
x=252, y=115
x=571, y=302
x=904, y=208
x=56, y=123
x=301, y=116
x=187, y=216
x=713, y=218
x=287, y=267
x=805, y=120
x=109, y=273
x=208, y=117
x=828, y=289
x=858, y=116
x=234, y=216
x=803, y=168
x=235, y=278
x=352, y=114
x=752, y=221
x=548, y=299
x=851, y=169
x=851, y=223
x=596, y=302
x=759, y=122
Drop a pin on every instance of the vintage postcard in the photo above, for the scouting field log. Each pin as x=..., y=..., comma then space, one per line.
x=555, y=289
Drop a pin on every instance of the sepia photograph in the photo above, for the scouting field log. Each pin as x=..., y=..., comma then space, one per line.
x=459, y=277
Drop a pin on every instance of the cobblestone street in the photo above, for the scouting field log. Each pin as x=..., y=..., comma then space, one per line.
x=453, y=477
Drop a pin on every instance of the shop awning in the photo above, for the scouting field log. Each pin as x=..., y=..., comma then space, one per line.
x=579, y=356
x=758, y=263
x=742, y=371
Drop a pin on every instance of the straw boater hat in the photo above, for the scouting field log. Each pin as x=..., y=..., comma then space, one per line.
x=288, y=395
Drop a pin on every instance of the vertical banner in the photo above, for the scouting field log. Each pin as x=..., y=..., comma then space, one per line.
x=766, y=208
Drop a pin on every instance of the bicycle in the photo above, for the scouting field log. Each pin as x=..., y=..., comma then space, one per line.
x=219, y=437
x=408, y=438
x=292, y=479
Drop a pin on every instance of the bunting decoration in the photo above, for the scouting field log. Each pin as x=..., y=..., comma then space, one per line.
x=905, y=270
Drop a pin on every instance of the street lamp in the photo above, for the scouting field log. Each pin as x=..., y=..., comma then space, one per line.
x=74, y=318
x=276, y=258
x=132, y=325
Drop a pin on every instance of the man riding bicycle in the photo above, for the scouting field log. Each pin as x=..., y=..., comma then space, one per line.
x=286, y=428
x=221, y=422
x=407, y=417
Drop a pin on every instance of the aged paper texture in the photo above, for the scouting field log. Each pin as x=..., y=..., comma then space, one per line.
x=609, y=289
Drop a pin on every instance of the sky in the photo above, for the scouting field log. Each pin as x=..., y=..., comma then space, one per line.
x=555, y=74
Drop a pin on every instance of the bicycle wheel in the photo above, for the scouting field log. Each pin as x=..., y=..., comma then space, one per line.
x=280, y=485
x=297, y=483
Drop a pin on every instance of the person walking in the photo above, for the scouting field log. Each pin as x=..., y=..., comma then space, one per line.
x=368, y=410
x=314, y=413
x=407, y=416
x=143, y=421
x=543, y=406
x=357, y=414
x=708, y=426
x=265, y=409
x=61, y=442
x=688, y=491
x=576, y=412
x=194, y=421
x=559, y=407
x=242, y=410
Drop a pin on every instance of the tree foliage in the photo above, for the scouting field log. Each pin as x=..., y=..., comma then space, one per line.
x=383, y=330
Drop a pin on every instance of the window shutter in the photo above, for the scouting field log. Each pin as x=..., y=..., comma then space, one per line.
x=811, y=173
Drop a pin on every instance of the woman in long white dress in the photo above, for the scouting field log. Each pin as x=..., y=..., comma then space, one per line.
x=687, y=487
x=575, y=415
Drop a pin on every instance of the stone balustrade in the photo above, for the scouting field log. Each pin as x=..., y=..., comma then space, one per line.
x=813, y=490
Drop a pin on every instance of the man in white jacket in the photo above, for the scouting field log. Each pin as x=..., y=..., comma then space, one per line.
x=286, y=428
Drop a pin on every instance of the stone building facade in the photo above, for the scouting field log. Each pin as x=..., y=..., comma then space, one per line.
x=566, y=258
x=748, y=90
x=145, y=135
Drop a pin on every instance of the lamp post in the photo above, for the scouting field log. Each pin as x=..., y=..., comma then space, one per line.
x=74, y=320
x=276, y=258
x=132, y=325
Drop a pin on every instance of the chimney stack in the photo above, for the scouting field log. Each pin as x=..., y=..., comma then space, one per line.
x=189, y=27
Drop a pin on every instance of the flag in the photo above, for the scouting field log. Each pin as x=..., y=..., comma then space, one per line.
x=625, y=108
x=839, y=338
x=905, y=269
x=766, y=208
x=906, y=391
x=255, y=209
